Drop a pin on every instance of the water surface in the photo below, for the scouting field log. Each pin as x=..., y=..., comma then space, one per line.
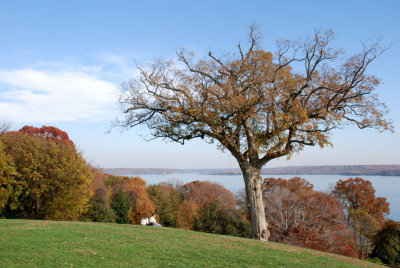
x=385, y=186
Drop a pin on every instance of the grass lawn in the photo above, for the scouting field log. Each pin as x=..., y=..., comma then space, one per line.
x=27, y=243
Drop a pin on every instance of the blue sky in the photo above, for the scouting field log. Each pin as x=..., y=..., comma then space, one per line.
x=62, y=63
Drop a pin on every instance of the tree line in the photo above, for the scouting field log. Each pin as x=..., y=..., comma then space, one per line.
x=43, y=176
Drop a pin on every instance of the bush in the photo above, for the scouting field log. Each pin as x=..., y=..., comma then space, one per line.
x=375, y=260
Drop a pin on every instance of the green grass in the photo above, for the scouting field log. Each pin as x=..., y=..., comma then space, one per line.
x=26, y=243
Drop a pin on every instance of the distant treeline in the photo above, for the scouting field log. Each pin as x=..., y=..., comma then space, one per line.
x=377, y=170
x=372, y=170
x=130, y=171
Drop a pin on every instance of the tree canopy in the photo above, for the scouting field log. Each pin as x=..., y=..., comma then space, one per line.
x=258, y=105
x=359, y=194
x=8, y=182
x=255, y=104
x=53, y=178
x=48, y=132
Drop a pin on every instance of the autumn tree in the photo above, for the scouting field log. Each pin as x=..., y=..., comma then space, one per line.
x=365, y=212
x=167, y=201
x=55, y=178
x=210, y=207
x=198, y=194
x=141, y=205
x=130, y=201
x=9, y=186
x=187, y=215
x=258, y=105
x=296, y=185
x=99, y=204
x=115, y=183
x=300, y=216
x=364, y=226
x=201, y=192
x=359, y=194
x=99, y=180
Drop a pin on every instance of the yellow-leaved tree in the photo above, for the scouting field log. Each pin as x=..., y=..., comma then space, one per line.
x=55, y=178
x=9, y=186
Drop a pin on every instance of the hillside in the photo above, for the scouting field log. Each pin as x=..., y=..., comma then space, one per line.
x=26, y=243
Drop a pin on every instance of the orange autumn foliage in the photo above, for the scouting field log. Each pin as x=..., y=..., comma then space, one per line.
x=358, y=193
x=186, y=215
x=295, y=184
x=201, y=192
x=365, y=212
x=142, y=206
x=197, y=194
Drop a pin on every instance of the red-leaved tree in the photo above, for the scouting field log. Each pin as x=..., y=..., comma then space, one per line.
x=48, y=132
x=300, y=216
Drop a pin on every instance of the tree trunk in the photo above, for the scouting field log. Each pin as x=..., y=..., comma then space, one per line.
x=253, y=184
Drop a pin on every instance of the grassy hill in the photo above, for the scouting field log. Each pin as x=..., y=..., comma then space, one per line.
x=26, y=243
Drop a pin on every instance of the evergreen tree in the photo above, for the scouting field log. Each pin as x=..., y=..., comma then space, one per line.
x=120, y=204
x=99, y=210
x=387, y=244
x=212, y=218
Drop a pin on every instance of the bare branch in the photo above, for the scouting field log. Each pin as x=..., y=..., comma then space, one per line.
x=5, y=126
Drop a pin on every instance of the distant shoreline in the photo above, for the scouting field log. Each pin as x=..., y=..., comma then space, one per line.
x=349, y=170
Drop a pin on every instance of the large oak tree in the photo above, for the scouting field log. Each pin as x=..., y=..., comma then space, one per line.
x=258, y=105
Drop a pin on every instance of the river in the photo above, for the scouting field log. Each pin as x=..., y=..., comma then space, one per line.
x=385, y=186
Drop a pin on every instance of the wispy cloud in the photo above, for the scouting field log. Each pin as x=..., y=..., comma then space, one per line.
x=39, y=95
x=117, y=66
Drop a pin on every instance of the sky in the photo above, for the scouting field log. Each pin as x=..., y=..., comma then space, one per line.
x=62, y=64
